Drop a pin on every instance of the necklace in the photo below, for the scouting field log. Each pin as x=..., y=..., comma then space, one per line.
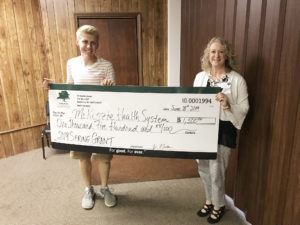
x=215, y=82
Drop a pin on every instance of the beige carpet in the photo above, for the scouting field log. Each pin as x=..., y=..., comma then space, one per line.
x=38, y=192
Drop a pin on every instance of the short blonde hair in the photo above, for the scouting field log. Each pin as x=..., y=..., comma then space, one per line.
x=229, y=55
x=87, y=29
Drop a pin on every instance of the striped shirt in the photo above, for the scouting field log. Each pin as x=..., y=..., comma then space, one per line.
x=78, y=73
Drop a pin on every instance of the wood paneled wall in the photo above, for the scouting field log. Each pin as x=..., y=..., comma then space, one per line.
x=59, y=30
x=36, y=39
x=23, y=63
x=264, y=180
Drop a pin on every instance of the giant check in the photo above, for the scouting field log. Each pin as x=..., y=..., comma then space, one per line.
x=131, y=120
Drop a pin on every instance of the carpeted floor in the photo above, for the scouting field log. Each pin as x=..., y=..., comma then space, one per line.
x=48, y=192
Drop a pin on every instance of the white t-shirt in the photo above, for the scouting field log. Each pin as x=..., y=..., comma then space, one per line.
x=78, y=73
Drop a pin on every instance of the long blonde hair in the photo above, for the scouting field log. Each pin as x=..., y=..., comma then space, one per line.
x=229, y=55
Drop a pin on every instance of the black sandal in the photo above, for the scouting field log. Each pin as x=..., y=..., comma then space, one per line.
x=205, y=211
x=218, y=214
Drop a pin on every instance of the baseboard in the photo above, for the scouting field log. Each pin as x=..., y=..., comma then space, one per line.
x=240, y=213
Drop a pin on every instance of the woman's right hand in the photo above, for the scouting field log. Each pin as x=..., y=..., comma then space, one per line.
x=47, y=82
x=223, y=99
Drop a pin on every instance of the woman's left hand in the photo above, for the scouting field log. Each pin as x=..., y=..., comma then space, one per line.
x=223, y=99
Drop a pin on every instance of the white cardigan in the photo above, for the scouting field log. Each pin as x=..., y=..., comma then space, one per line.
x=237, y=94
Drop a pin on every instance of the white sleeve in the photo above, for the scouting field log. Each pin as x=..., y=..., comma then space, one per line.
x=239, y=108
x=200, y=80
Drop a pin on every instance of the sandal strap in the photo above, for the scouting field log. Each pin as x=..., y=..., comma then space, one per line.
x=216, y=215
x=218, y=212
x=207, y=206
x=205, y=210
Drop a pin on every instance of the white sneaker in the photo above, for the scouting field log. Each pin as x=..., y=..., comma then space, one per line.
x=88, y=198
x=110, y=200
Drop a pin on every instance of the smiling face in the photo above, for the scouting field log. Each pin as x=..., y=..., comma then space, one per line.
x=87, y=45
x=217, y=55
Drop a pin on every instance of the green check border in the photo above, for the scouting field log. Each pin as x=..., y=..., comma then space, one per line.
x=137, y=89
x=145, y=152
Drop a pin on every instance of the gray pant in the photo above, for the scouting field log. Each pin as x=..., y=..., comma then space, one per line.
x=212, y=173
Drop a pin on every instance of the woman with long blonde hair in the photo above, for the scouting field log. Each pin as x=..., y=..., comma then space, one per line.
x=218, y=67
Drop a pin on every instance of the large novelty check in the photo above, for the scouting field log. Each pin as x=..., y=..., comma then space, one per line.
x=132, y=120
